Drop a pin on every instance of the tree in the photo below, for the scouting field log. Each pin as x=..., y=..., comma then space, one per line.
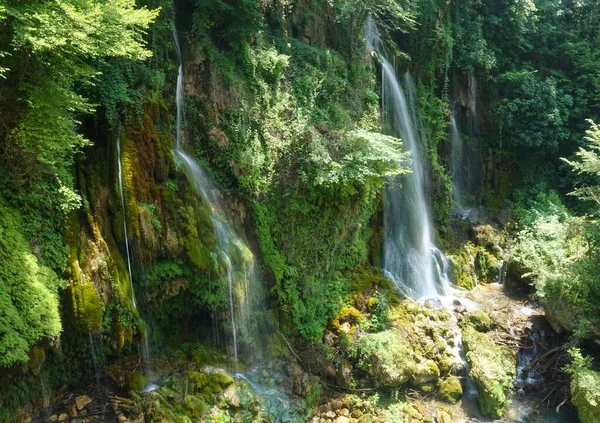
x=52, y=49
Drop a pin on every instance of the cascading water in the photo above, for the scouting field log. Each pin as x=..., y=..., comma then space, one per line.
x=457, y=159
x=146, y=347
x=409, y=255
x=125, y=234
x=228, y=242
x=179, y=91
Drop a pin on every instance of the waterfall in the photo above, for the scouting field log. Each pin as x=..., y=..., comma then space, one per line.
x=146, y=346
x=457, y=160
x=228, y=241
x=229, y=244
x=408, y=249
x=125, y=234
x=179, y=91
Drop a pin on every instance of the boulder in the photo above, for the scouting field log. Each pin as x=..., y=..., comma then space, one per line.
x=387, y=358
x=442, y=417
x=585, y=395
x=425, y=372
x=492, y=369
x=82, y=401
x=450, y=389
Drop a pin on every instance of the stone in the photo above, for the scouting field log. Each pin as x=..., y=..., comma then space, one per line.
x=356, y=414
x=54, y=418
x=442, y=417
x=330, y=414
x=343, y=376
x=425, y=372
x=292, y=369
x=62, y=417
x=585, y=395
x=72, y=412
x=479, y=320
x=366, y=418
x=450, y=389
x=231, y=396
x=344, y=412
x=492, y=370
x=387, y=358
x=82, y=401
x=342, y=419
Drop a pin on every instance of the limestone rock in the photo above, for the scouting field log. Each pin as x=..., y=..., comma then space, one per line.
x=82, y=401
x=442, y=417
x=450, y=389
x=492, y=369
x=425, y=372
x=386, y=357
x=585, y=393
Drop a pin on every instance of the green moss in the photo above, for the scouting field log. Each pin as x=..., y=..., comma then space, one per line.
x=37, y=356
x=492, y=369
x=585, y=395
x=450, y=389
x=386, y=357
x=136, y=381
x=28, y=293
x=87, y=309
x=478, y=320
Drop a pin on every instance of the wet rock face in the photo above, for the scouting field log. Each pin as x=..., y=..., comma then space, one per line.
x=585, y=395
x=492, y=369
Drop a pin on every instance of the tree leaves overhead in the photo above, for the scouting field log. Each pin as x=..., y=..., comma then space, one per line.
x=53, y=52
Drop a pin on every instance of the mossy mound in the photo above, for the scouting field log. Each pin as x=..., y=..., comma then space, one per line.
x=450, y=389
x=492, y=369
x=386, y=357
x=585, y=395
x=479, y=320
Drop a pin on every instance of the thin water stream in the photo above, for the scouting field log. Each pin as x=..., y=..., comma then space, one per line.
x=229, y=243
x=145, y=348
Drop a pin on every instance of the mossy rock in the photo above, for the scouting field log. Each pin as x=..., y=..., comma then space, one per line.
x=37, y=356
x=479, y=320
x=492, y=369
x=87, y=309
x=462, y=271
x=209, y=383
x=585, y=395
x=425, y=372
x=487, y=266
x=387, y=357
x=136, y=381
x=450, y=389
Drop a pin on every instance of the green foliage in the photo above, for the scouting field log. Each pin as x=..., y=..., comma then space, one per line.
x=589, y=164
x=28, y=293
x=533, y=113
x=559, y=252
x=58, y=39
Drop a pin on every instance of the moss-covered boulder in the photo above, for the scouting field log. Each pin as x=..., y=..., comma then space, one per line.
x=450, y=389
x=387, y=357
x=585, y=395
x=479, y=320
x=492, y=369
